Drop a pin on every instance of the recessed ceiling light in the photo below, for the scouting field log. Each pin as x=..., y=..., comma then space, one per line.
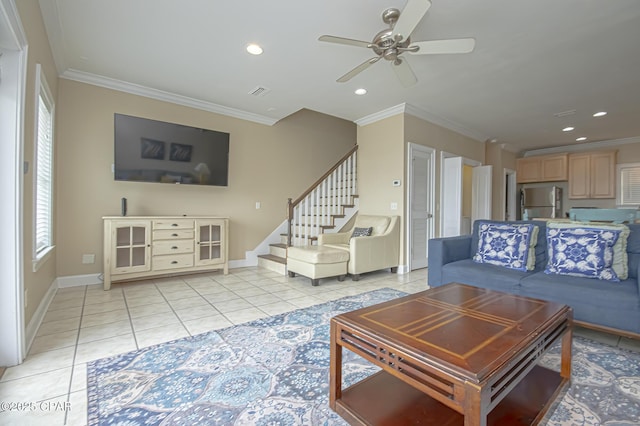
x=581, y=139
x=254, y=49
x=600, y=114
x=360, y=91
x=567, y=129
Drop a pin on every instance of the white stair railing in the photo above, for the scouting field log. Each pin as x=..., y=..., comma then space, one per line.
x=315, y=208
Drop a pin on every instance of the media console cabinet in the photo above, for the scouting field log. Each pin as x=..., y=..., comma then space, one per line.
x=144, y=246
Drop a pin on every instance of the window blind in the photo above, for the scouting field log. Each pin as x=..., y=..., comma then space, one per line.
x=44, y=177
x=630, y=185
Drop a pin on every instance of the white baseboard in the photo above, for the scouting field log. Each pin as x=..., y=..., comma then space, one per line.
x=38, y=316
x=78, y=280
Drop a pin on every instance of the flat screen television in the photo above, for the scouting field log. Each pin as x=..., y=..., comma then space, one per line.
x=155, y=151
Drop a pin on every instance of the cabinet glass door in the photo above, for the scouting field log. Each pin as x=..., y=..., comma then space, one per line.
x=210, y=242
x=131, y=248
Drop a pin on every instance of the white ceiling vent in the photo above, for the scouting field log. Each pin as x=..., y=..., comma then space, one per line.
x=259, y=91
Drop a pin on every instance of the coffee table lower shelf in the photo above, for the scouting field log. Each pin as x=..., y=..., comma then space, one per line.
x=383, y=399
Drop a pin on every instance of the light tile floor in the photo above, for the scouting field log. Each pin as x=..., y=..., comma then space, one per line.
x=87, y=323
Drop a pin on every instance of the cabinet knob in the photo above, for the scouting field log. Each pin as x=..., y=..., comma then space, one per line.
x=174, y=235
x=174, y=262
x=174, y=224
x=174, y=248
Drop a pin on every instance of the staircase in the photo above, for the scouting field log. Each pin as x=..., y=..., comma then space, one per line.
x=323, y=208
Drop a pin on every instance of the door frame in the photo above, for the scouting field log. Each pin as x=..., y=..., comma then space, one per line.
x=413, y=147
x=12, y=88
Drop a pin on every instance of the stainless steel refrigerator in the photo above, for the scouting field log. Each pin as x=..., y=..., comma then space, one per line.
x=542, y=202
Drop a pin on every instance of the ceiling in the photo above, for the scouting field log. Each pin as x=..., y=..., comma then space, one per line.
x=532, y=60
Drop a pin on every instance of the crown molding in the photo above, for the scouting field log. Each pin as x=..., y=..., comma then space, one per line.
x=443, y=122
x=160, y=95
x=405, y=108
x=380, y=115
x=588, y=146
x=53, y=27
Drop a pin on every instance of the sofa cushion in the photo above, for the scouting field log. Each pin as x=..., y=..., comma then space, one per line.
x=620, y=258
x=592, y=300
x=483, y=275
x=508, y=245
x=633, y=249
x=540, y=247
x=378, y=223
x=585, y=252
x=317, y=254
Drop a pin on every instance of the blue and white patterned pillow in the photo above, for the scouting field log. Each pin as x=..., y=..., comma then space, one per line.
x=582, y=252
x=505, y=245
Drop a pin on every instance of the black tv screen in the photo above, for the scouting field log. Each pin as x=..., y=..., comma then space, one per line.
x=156, y=151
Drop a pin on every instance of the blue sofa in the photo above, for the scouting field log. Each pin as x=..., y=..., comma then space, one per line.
x=613, y=306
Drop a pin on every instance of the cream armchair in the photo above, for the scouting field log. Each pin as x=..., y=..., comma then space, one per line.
x=380, y=250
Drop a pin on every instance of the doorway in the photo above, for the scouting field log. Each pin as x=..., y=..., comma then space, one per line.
x=510, y=195
x=420, y=196
x=465, y=194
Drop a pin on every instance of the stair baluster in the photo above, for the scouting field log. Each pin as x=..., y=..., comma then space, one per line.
x=314, y=210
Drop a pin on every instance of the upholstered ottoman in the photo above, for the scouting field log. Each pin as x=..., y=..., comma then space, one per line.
x=317, y=262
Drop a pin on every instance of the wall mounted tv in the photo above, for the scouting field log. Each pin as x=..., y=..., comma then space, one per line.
x=156, y=151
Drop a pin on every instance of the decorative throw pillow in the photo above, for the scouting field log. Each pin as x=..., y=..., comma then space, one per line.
x=620, y=258
x=509, y=245
x=362, y=232
x=582, y=252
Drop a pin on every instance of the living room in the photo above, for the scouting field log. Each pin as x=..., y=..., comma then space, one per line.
x=263, y=158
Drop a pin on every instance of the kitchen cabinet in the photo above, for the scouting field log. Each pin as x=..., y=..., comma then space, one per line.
x=592, y=175
x=144, y=246
x=542, y=168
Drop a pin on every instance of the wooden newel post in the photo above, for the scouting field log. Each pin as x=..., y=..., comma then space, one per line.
x=289, y=219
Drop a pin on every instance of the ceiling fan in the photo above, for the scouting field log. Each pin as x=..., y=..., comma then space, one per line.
x=392, y=42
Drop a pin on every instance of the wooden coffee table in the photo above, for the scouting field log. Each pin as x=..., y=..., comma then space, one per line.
x=452, y=355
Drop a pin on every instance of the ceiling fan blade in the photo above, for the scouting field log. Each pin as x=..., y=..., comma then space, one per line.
x=357, y=70
x=404, y=73
x=410, y=17
x=431, y=47
x=342, y=40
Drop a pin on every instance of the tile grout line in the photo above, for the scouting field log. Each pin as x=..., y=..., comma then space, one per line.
x=133, y=332
x=75, y=352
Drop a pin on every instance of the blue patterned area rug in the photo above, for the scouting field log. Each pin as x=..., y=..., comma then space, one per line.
x=275, y=371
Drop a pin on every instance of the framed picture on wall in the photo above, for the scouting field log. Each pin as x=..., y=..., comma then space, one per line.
x=180, y=152
x=152, y=149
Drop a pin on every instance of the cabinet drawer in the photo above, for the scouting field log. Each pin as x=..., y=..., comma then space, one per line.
x=160, y=263
x=173, y=224
x=173, y=234
x=172, y=247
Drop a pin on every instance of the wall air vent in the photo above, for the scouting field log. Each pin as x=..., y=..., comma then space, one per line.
x=259, y=91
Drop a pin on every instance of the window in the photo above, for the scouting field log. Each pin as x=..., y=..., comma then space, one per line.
x=43, y=172
x=628, y=185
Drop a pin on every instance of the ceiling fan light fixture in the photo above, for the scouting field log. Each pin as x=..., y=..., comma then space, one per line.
x=600, y=114
x=361, y=91
x=254, y=49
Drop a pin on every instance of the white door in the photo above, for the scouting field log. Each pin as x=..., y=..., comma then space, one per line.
x=481, y=193
x=451, y=187
x=421, y=188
